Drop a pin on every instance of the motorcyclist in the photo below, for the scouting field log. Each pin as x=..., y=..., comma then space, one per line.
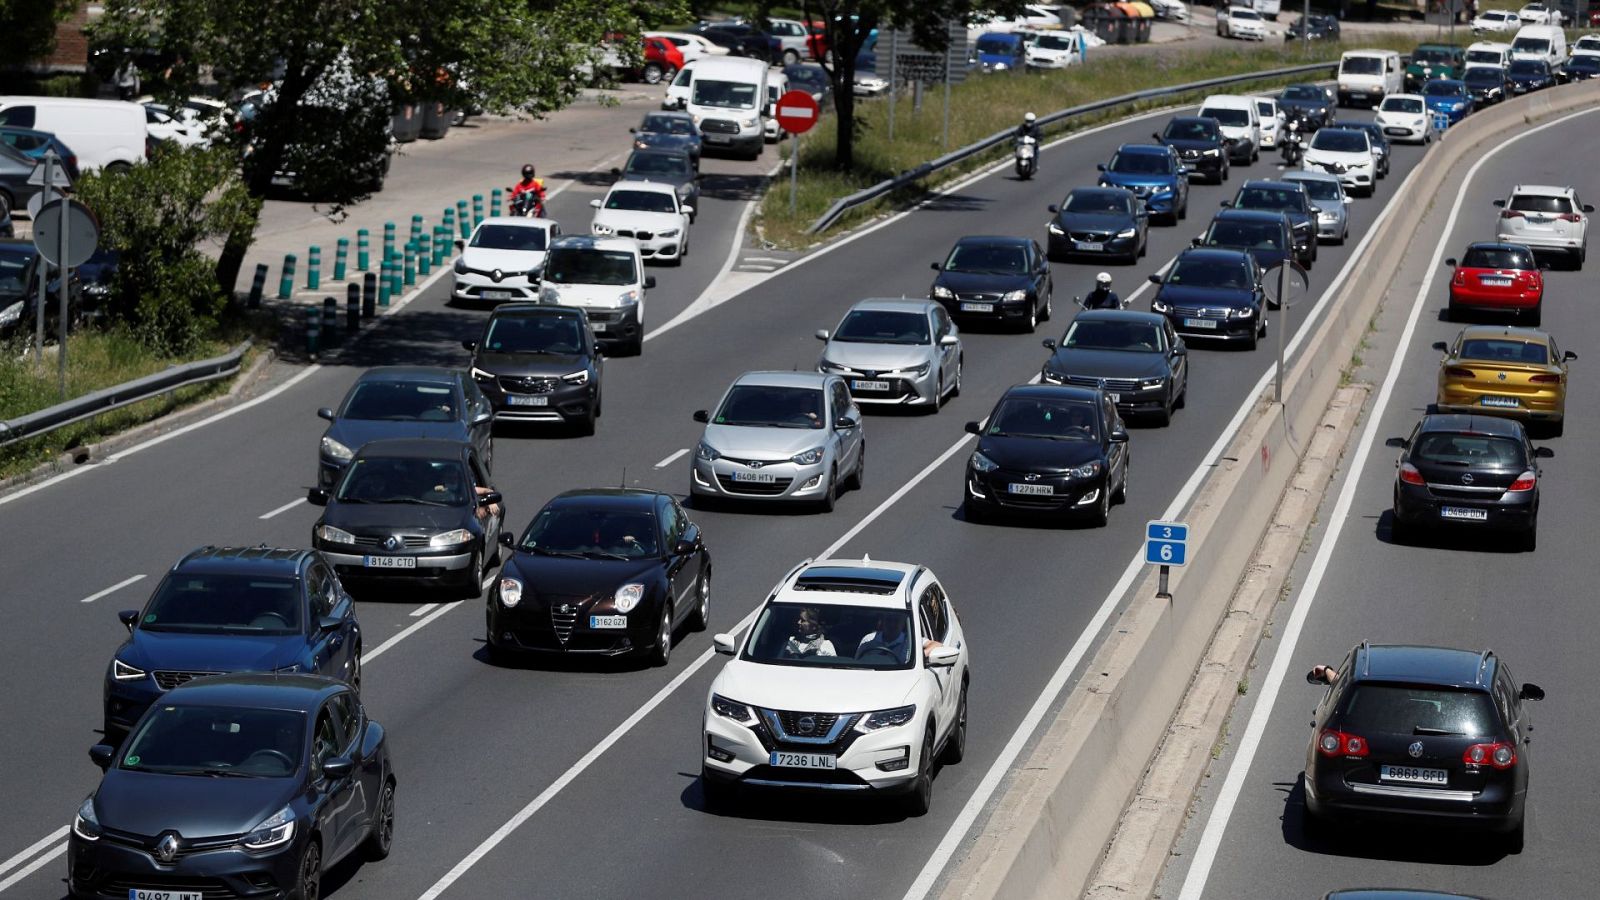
x=1102, y=297
x=1029, y=127
x=528, y=185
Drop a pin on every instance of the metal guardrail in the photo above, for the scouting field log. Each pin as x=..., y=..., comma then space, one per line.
x=117, y=396
x=993, y=140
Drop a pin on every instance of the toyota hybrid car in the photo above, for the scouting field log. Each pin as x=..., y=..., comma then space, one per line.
x=503, y=260
x=1099, y=222
x=404, y=401
x=1135, y=357
x=995, y=279
x=852, y=679
x=601, y=571
x=1329, y=200
x=895, y=352
x=1155, y=174
x=1478, y=472
x=1425, y=736
x=539, y=363
x=1518, y=373
x=1213, y=293
x=1547, y=218
x=1200, y=145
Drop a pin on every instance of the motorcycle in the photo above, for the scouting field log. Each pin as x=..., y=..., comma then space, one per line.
x=527, y=205
x=1027, y=157
x=1293, y=144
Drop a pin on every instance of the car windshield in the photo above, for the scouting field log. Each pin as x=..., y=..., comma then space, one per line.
x=1319, y=188
x=1141, y=164
x=772, y=406
x=1587, y=42
x=1407, y=710
x=1526, y=67
x=1050, y=418
x=1054, y=42
x=1497, y=258
x=1236, y=118
x=1305, y=92
x=990, y=259
x=1270, y=199
x=400, y=401
x=601, y=533
x=1483, y=56
x=1482, y=75
x=1427, y=55
x=1101, y=334
x=1190, y=131
x=224, y=603
x=1540, y=204
x=13, y=268
x=1401, y=105
x=723, y=94
x=1530, y=45
x=995, y=46
x=217, y=742
x=1254, y=235
x=1475, y=450
x=1096, y=202
x=666, y=125
x=641, y=201
x=1212, y=273
x=1341, y=140
x=831, y=636
x=404, y=479
x=1361, y=65
x=549, y=335
x=878, y=326
x=572, y=265
x=510, y=237
x=1505, y=350
x=1248, y=15
x=675, y=164
x=1444, y=89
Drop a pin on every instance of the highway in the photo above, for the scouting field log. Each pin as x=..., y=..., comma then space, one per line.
x=567, y=780
x=1532, y=609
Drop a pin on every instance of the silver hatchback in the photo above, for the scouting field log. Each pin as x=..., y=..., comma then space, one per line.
x=895, y=352
x=1331, y=202
x=787, y=436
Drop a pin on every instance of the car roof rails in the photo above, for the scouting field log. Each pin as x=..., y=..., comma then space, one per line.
x=1483, y=663
x=1366, y=658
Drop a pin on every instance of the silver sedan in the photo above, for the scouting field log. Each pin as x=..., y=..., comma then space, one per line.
x=1331, y=202
x=895, y=352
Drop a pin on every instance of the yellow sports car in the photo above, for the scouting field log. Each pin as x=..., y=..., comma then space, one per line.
x=1519, y=373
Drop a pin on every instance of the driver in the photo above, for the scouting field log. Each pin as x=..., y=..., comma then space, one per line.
x=808, y=639
x=891, y=637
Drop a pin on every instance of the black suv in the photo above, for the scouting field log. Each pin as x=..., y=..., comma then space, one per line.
x=539, y=363
x=1412, y=732
x=1289, y=198
x=1200, y=144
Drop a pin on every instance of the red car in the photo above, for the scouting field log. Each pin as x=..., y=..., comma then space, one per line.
x=1498, y=278
x=817, y=41
x=662, y=60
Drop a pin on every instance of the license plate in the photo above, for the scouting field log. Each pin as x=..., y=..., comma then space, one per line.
x=138, y=894
x=1115, y=398
x=390, y=562
x=608, y=621
x=782, y=760
x=1091, y=246
x=1464, y=513
x=1200, y=323
x=496, y=295
x=1502, y=402
x=1414, y=775
x=716, y=138
x=869, y=385
x=1040, y=489
x=597, y=327
x=1393, y=130
x=519, y=400
x=1538, y=220
x=977, y=307
x=755, y=477
x=1493, y=281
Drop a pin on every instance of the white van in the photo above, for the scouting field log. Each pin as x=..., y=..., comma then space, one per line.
x=603, y=276
x=1367, y=76
x=1546, y=42
x=103, y=133
x=1489, y=53
x=1240, y=123
x=728, y=99
x=777, y=86
x=1268, y=9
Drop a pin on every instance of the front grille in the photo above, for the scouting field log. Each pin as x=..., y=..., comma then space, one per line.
x=1111, y=384
x=562, y=623
x=1202, y=312
x=979, y=297
x=601, y=315
x=640, y=235
x=1090, y=236
x=1142, y=190
x=518, y=384
x=821, y=723
x=720, y=126
x=209, y=888
x=754, y=488
x=169, y=680
x=407, y=541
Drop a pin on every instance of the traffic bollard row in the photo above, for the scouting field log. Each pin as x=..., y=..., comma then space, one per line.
x=494, y=202
x=424, y=254
x=363, y=250
x=257, y=286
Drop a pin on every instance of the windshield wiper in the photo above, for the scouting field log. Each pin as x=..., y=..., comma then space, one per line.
x=417, y=500
x=545, y=551
x=600, y=554
x=1426, y=729
x=214, y=773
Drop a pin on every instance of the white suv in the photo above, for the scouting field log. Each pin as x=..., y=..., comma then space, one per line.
x=837, y=687
x=1547, y=218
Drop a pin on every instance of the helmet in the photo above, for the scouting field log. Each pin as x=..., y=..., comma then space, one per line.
x=1028, y=117
x=1103, y=279
x=527, y=171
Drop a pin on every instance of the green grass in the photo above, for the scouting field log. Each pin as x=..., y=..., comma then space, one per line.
x=984, y=105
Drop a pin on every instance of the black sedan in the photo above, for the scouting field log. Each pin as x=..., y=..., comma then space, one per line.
x=1135, y=357
x=409, y=402
x=1051, y=449
x=1289, y=198
x=1528, y=75
x=1486, y=84
x=1476, y=472
x=664, y=166
x=1099, y=222
x=539, y=363
x=16, y=168
x=1264, y=235
x=604, y=572
x=1214, y=294
x=238, y=786
x=1200, y=144
x=1314, y=27
x=414, y=511
x=668, y=131
x=1580, y=68
x=995, y=279
x=739, y=38
x=1312, y=105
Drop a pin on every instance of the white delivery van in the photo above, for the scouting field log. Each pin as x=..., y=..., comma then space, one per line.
x=603, y=276
x=103, y=133
x=728, y=99
x=1367, y=76
x=1489, y=53
x=1545, y=42
x=1240, y=122
x=1268, y=9
x=777, y=86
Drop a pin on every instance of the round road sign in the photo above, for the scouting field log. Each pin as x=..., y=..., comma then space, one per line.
x=797, y=112
x=83, y=232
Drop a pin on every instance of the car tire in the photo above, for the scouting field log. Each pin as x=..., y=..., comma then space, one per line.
x=1183, y=395
x=1400, y=531
x=1183, y=211
x=955, y=389
x=1514, y=837
x=652, y=73
x=472, y=585
x=1032, y=324
x=1120, y=498
x=701, y=617
x=831, y=498
x=586, y=424
x=1225, y=170
x=1313, y=828
x=1558, y=428
x=1452, y=313
x=790, y=57
x=938, y=396
x=661, y=652
x=1535, y=315
x=1100, y=516
x=919, y=799
x=1164, y=415
x=355, y=674
x=955, y=746
x=635, y=347
x=973, y=512
x=308, y=881
x=1254, y=339
x=380, y=840
x=858, y=477
x=1049, y=307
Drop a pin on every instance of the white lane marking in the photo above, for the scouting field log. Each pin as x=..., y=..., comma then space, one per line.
x=700, y=304
x=671, y=459
x=411, y=629
x=34, y=866
x=423, y=610
x=283, y=509
x=1205, y=854
x=17, y=860
x=112, y=590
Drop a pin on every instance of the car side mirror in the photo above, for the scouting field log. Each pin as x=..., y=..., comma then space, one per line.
x=649, y=282
x=1180, y=350
x=687, y=209
x=329, y=623
x=846, y=422
x=1500, y=203
x=1100, y=166
x=1451, y=262
x=491, y=498
x=1142, y=213
x=701, y=415
x=1568, y=356
x=1053, y=208
x=1157, y=137
x=1398, y=443
x=128, y=617
x=822, y=334
x=630, y=131
x=1441, y=346
x=1049, y=343
x=103, y=754
x=949, y=340
x=1528, y=691
x=484, y=417
x=943, y=657
x=595, y=203
x=614, y=169
x=325, y=413
x=1118, y=436
x=338, y=767
x=1588, y=207
x=469, y=346
x=685, y=547
x=1195, y=242
x=1155, y=279
x=317, y=497
x=1543, y=452
x=1225, y=204
x=723, y=643
x=1544, y=265
x=935, y=267
x=508, y=540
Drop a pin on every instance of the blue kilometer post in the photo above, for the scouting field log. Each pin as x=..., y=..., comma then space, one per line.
x=1166, y=544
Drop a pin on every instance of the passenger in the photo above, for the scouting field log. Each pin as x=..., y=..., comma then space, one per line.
x=808, y=639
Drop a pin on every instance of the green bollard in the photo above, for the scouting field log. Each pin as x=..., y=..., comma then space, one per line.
x=424, y=254
x=286, y=283
x=314, y=268
x=477, y=210
x=464, y=223
x=363, y=250
x=341, y=258
x=313, y=329
x=388, y=239
x=494, y=201
x=441, y=244
x=396, y=285
x=383, y=283
x=411, y=263
x=416, y=226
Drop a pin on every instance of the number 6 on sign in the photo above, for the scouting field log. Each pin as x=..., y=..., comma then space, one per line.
x=1166, y=543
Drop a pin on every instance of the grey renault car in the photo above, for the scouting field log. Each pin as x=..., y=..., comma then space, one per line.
x=782, y=436
x=1136, y=357
x=895, y=352
x=1329, y=200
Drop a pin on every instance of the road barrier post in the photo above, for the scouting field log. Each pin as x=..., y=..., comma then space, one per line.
x=463, y=223
x=341, y=258
x=330, y=321
x=257, y=286
x=477, y=210
x=494, y=201
x=388, y=239
x=363, y=250
x=313, y=330
x=441, y=243
x=352, y=308
x=383, y=282
x=424, y=254
x=411, y=263
x=416, y=226
x=314, y=268
x=369, y=295
x=286, y=280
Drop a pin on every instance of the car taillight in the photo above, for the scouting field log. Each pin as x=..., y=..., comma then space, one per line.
x=1410, y=475
x=1546, y=379
x=1461, y=277
x=1339, y=743
x=1511, y=214
x=1458, y=372
x=1524, y=482
x=1499, y=755
x=1570, y=217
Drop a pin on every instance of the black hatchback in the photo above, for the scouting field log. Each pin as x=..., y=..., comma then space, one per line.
x=1289, y=198
x=1200, y=144
x=539, y=363
x=996, y=279
x=1414, y=733
x=1475, y=472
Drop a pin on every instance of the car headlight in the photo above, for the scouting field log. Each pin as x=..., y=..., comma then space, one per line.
x=750, y=122
x=733, y=709
x=335, y=450
x=12, y=314
x=1211, y=153
x=1000, y=67
x=1241, y=312
x=912, y=371
x=628, y=298
x=1458, y=106
x=940, y=292
x=549, y=295
x=482, y=375
x=1014, y=297
x=449, y=538
x=1160, y=306
x=670, y=232
x=828, y=365
x=1128, y=233
x=1054, y=229
x=1327, y=215
x=810, y=457
x=579, y=378
x=1087, y=470
x=887, y=718
x=334, y=535
x=627, y=597
x=706, y=452
x=460, y=265
x=1053, y=377
x=600, y=229
x=983, y=463
x=121, y=671
x=85, y=824
x=1148, y=383
x=274, y=832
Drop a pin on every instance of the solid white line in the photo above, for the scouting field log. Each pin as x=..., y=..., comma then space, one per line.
x=34, y=866
x=696, y=307
x=284, y=508
x=1205, y=853
x=671, y=459
x=422, y=610
x=112, y=590
x=48, y=839
x=411, y=629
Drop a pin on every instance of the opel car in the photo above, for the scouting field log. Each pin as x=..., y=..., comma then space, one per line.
x=1155, y=174
x=995, y=279
x=1346, y=153
x=1213, y=293
x=404, y=401
x=895, y=352
x=1547, y=218
x=1135, y=357
x=539, y=363
x=503, y=260
x=1519, y=373
x=1200, y=145
x=651, y=213
x=1099, y=222
x=852, y=679
x=1496, y=278
x=1475, y=472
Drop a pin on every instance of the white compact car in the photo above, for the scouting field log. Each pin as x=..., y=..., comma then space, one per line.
x=1051, y=49
x=1345, y=153
x=1539, y=14
x=1241, y=22
x=503, y=260
x=1496, y=20
x=1548, y=218
x=837, y=688
x=1271, y=121
x=605, y=278
x=1404, y=117
x=648, y=212
x=692, y=46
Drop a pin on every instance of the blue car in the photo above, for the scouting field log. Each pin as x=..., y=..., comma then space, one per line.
x=1528, y=75
x=232, y=609
x=405, y=401
x=1448, y=96
x=33, y=144
x=1155, y=174
x=999, y=52
x=1213, y=293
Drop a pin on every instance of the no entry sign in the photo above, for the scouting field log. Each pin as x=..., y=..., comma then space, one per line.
x=797, y=112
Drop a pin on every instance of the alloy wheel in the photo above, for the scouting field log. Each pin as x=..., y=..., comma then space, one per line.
x=311, y=872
